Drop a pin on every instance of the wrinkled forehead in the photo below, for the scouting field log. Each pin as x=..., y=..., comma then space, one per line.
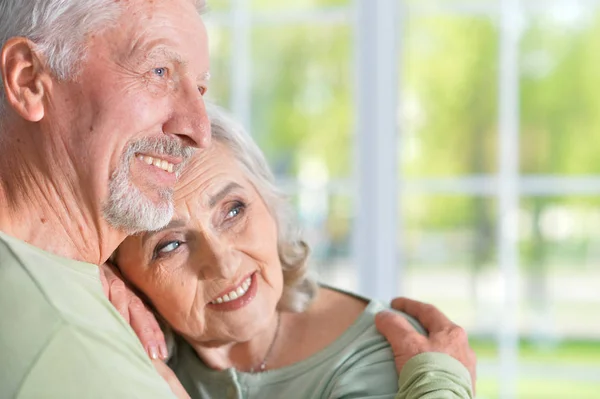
x=147, y=22
x=199, y=5
x=207, y=169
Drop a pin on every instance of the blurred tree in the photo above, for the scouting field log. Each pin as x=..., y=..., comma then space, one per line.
x=560, y=122
x=302, y=104
x=451, y=73
x=302, y=101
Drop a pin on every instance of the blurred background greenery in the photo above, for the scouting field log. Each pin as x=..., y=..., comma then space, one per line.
x=287, y=69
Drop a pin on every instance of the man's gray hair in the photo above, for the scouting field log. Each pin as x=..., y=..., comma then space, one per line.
x=58, y=28
x=299, y=288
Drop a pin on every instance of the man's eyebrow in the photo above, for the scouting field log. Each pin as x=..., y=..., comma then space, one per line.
x=205, y=76
x=164, y=51
x=175, y=223
x=222, y=193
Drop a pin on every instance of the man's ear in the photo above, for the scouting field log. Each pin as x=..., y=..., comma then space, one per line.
x=25, y=78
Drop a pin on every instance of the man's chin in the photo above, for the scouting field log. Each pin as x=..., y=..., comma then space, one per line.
x=135, y=212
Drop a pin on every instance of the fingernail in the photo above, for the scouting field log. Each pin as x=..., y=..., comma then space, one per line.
x=164, y=352
x=153, y=351
x=384, y=314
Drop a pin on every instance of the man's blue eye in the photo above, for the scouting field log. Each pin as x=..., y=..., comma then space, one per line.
x=160, y=72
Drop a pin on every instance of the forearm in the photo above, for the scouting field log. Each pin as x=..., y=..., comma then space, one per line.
x=434, y=376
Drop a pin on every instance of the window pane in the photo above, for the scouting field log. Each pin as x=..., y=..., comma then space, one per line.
x=220, y=63
x=296, y=4
x=217, y=5
x=560, y=96
x=326, y=218
x=559, y=280
x=301, y=99
x=449, y=96
x=449, y=245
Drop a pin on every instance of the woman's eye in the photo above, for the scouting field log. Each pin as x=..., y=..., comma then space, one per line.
x=235, y=211
x=168, y=247
x=160, y=72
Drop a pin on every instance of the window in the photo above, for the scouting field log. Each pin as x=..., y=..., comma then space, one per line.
x=443, y=149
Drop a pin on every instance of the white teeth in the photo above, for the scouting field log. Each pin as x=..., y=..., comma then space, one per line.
x=159, y=163
x=235, y=294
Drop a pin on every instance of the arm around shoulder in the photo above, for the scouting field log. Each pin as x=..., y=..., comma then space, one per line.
x=434, y=375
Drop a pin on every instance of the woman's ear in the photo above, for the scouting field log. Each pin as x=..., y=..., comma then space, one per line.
x=25, y=78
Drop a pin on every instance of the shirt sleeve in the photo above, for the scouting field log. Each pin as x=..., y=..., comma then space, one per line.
x=77, y=363
x=434, y=376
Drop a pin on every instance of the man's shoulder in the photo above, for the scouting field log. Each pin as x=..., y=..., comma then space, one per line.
x=52, y=312
x=77, y=362
x=38, y=288
x=28, y=318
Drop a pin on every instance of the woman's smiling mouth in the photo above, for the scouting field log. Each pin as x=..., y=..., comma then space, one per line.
x=236, y=297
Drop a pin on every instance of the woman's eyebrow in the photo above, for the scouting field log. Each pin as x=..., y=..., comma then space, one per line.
x=214, y=200
x=175, y=223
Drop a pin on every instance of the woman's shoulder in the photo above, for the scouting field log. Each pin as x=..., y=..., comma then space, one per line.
x=336, y=308
x=359, y=359
x=349, y=308
x=337, y=322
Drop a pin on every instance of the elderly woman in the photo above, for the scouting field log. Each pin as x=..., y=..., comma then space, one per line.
x=229, y=274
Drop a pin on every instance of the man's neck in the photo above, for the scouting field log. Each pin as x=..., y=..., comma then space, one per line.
x=42, y=205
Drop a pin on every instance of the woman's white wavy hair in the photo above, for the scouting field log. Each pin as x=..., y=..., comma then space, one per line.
x=299, y=287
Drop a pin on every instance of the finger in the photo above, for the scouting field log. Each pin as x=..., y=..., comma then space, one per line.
x=428, y=315
x=111, y=271
x=393, y=327
x=117, y=295
x=104, y=281
x=159, y=336
x=143, y=326
x=405, y=341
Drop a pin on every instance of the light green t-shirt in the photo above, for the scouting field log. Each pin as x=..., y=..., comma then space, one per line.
x=359, y=364
x=59, y=335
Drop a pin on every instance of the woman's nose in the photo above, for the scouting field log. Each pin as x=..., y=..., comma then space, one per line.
x=218, y=260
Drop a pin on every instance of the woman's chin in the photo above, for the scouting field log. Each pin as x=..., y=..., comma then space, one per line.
x=243, y=328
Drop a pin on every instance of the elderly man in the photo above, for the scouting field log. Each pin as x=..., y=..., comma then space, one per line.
x=101, y=106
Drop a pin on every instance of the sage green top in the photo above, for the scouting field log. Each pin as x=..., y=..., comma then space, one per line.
x=59, y=335
x=359, y=364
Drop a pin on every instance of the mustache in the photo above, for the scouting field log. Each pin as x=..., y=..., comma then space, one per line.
x=160, y=146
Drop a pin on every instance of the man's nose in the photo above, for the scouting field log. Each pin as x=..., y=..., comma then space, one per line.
x=189, y=120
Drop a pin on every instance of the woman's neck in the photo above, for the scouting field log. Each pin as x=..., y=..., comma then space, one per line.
x=247, y=356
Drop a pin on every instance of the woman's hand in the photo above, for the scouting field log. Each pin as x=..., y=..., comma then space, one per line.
x=166, y=373
x=134, y=311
